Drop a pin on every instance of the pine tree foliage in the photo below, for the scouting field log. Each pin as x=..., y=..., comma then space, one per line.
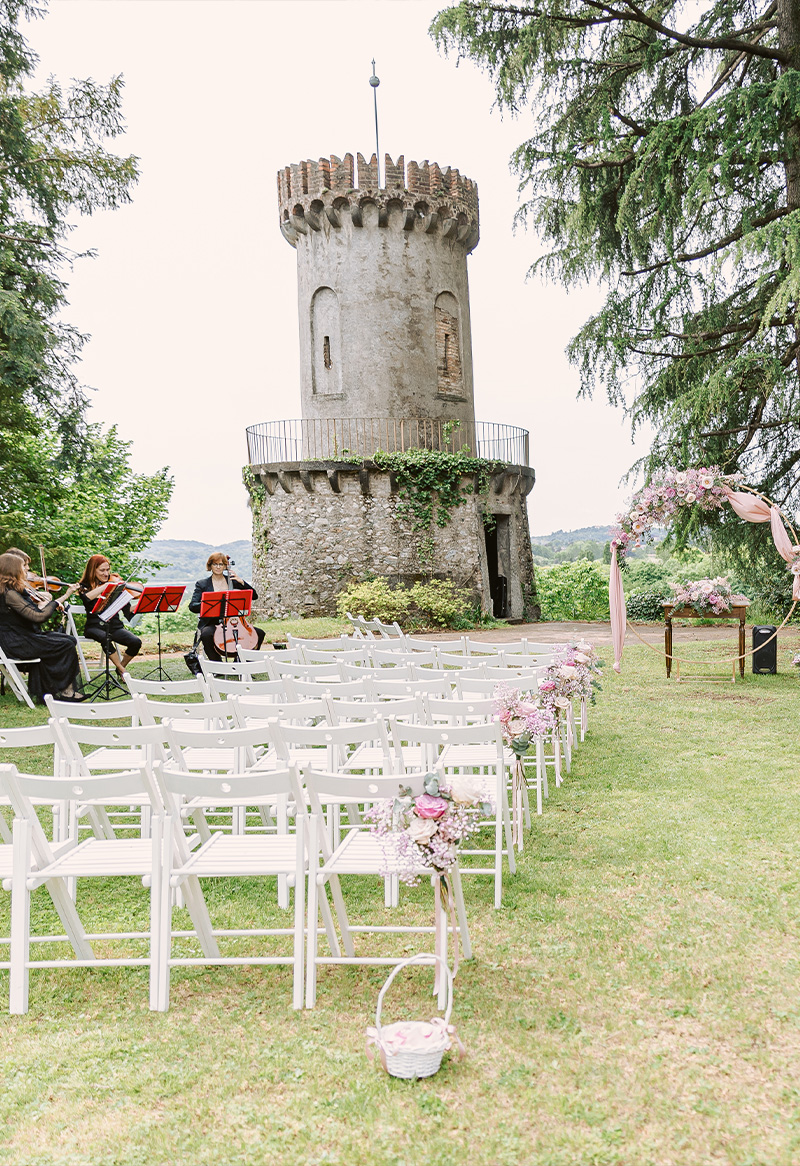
x=664, y=162
x=54, y=164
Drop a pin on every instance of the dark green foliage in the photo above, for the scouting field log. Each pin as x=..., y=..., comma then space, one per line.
x=647, y=605
x=570, y=591
x=53, y=163
x=664, y=161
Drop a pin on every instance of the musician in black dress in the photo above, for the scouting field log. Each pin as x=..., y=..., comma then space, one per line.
x=22, y=614
x=96, y=574
x=220, y=579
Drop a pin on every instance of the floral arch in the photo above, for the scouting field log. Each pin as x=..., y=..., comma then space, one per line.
x=674, y=491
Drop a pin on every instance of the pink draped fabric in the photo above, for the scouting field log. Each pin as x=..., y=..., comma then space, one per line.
x=619, y=614
x=754, y=509
x=749, y=507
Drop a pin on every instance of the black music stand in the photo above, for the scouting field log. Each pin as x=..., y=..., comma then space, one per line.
x=106, y=606
x=226, y=605
x=155, y=599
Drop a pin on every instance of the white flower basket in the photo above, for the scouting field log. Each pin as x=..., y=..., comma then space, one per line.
x=414, y=1048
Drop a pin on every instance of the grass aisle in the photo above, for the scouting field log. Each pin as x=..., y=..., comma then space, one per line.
x=634, y=1002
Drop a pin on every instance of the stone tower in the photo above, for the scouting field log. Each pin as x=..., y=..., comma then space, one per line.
x=385, y=364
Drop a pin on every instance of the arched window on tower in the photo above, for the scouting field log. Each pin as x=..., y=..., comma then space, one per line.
x=448, y=345
x=326, y=343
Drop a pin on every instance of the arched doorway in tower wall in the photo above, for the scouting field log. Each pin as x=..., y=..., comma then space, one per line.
x=498, y=558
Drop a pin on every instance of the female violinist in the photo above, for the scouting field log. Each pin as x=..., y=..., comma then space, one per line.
x=21, y=635
x=96, y=574
x=220, y=579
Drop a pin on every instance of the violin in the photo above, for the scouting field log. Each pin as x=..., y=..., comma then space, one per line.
x=235, y=632
x=120, y=584
x=46, y=583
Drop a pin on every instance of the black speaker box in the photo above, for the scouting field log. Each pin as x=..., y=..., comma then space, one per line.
x=765, y=655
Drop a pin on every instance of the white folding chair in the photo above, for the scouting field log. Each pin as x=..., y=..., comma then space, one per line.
x=278, y=670
x=379, y=689
x=10, y=671
x=42, y=738
x=476, y=749
x=35, y=865
x=336, y=689
x=194, y=686
x=258, y=656
x=354, y=672
x=361, y=852
x=262, y=855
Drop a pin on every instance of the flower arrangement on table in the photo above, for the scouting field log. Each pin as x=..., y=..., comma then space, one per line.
x=427, y=830
x=705, y=596
x=657, y=502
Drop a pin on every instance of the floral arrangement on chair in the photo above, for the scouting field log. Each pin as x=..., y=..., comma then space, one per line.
x=522, y=718
x=426, y=831
x=705, y=596
x=574, y=676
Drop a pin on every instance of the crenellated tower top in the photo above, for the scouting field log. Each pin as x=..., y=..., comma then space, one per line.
x=428, y=198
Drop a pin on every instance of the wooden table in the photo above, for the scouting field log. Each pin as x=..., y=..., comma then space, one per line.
x=737, y=610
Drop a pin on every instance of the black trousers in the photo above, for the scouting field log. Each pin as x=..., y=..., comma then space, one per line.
x=131, y=643
x=209, y=647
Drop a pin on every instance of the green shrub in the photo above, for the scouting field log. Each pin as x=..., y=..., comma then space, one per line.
x=438, y=603
x=646, y=606
x=375, y=599
x=573, y=591
x=441, y=604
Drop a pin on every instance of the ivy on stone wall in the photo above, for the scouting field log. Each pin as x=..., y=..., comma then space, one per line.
x=429, y=482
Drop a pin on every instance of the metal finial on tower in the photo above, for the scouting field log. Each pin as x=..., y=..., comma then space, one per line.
x=375, y=82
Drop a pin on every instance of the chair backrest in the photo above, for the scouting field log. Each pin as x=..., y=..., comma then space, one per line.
x=480, y=648
x=353, y=672
x=279, y=669
x=90, y=712
x=434, y=738
x=325, y=786
x=337, y=689
x=332, y=741
x=215, y=714
x=468, y=686
x=71, y=735
x=516, y=677
x=334, y=644
x=395, y=657
x=455, y=660
x=243, y=670
x=254, y=656
x=229, y=789
x=265, y=690
x=413, y=707
x=27, y=737
x=195, y=685
x=415, y=644
x=352, y=655
x=240, y=743
x=299, y=712
x=389, y=630
x=378, y=688
x=461, y=712
x=529, y=662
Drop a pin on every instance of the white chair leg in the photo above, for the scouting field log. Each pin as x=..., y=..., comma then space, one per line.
x=312, y=911
x=20, y=919
x=299, y=919
x=461, y=911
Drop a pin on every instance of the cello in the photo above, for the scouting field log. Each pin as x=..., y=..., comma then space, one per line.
x=234, y=632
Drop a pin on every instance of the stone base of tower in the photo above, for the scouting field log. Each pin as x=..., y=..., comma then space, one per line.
x=319, y=526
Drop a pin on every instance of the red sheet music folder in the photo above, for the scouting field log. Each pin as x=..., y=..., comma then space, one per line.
x=157, y=598
x=225, y=604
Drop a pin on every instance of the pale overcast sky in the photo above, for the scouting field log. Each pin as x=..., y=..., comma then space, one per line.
x=191, y=303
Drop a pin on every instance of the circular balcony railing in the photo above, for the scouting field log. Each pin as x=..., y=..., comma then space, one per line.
x=332, y=438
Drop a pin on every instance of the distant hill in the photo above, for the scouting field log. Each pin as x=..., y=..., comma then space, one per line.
x=564, y=538
x=186, y=559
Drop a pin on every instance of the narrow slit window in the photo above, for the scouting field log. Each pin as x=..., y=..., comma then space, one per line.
x=326, y=352
x=446, y=361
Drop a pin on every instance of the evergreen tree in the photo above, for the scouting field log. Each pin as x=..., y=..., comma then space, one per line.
x=664, y=162
x=53, y=165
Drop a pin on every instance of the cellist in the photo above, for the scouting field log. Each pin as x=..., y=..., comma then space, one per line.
x=222, y=578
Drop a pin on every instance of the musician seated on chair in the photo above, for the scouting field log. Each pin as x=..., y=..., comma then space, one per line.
x=96, y=574
x=22, y=613
x=222, y=578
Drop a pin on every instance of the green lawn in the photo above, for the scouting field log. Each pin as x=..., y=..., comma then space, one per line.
x=634, y=1002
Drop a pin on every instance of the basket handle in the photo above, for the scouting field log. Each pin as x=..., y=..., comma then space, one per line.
x=415, y=959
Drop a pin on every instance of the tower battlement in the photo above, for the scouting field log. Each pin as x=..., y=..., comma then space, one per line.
x=436, y=199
